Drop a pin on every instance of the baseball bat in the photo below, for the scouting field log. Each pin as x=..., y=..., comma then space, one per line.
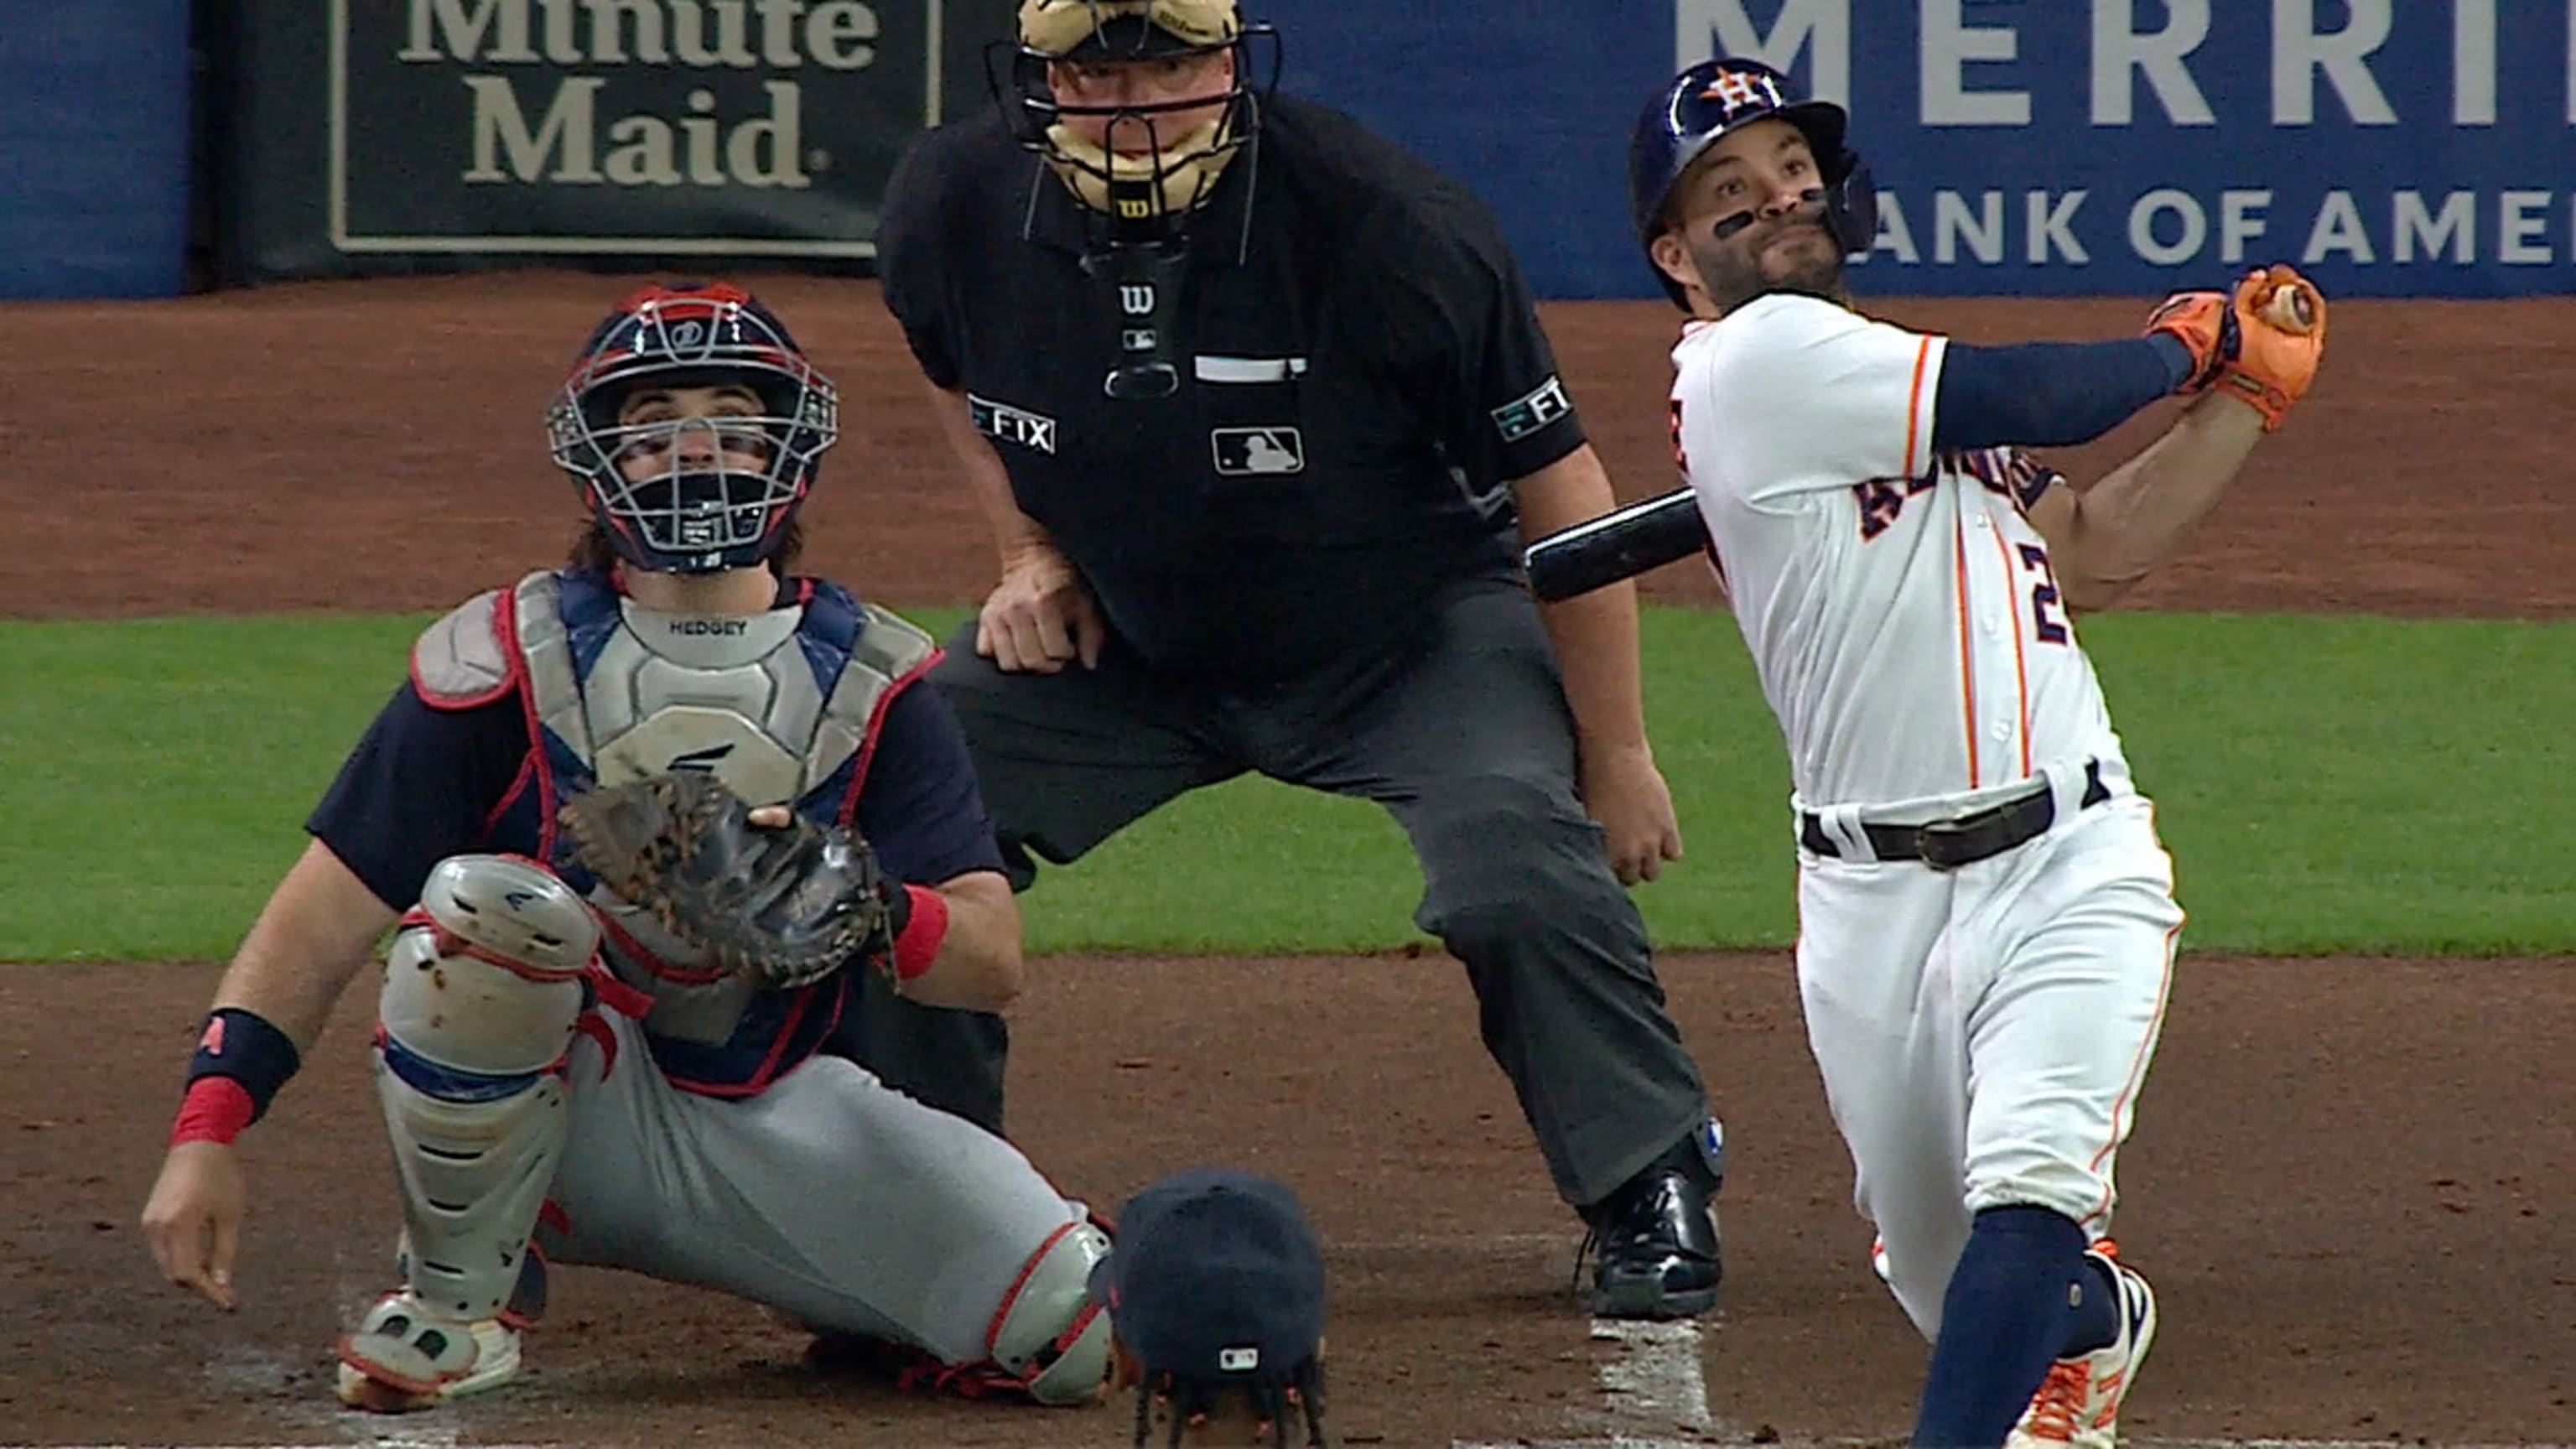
x=1615, y=546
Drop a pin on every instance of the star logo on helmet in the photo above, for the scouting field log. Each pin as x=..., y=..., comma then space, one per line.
x=1736, y=89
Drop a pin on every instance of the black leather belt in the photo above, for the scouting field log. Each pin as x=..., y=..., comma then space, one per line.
x=1967, y=839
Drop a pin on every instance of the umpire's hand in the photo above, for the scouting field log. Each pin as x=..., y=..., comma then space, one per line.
x=1624, y=791
x=1041, y=616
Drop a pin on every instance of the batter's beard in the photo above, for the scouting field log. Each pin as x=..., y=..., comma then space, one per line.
x=1736, y=271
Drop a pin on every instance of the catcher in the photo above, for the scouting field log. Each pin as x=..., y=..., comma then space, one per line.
x=640, y=823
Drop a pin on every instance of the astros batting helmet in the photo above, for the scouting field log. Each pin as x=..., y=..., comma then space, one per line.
x=693, y=520
x=1716, y=96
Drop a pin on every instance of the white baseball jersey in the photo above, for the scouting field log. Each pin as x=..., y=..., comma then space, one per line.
x=1982, y=1032
x=1900, y=609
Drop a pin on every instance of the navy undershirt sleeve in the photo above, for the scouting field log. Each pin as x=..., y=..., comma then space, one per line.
x=2050, y=394
x=420, y=786
x=921, y=808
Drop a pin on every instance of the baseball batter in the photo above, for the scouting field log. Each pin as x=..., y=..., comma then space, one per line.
x=559, y=1077
x=1986, y=916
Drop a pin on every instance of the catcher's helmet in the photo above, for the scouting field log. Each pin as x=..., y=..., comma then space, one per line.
x=1716, y=96
x=1157, y=190
x=694, y=519
x=1216, y=1279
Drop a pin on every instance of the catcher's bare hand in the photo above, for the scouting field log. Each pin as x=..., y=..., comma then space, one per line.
x=193, y=1220
x=1041, y=616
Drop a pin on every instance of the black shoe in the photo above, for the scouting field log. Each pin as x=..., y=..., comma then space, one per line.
x=1658, y=1248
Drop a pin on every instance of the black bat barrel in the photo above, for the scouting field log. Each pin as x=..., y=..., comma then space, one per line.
x=1615, y=546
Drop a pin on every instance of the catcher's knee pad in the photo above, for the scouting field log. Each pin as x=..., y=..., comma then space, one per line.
x=482, y=990
x=485, y=977
x=1049, y=1333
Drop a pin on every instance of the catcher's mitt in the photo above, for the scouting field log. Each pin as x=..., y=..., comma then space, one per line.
x=785, y=905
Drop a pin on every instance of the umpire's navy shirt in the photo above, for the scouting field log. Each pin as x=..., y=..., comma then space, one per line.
x=1361, y=377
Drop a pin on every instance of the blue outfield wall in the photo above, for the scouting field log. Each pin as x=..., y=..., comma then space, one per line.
x=94, y=155
x=2034, y=147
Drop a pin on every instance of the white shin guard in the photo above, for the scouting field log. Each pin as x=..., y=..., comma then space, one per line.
x=482, y=990
x=1050, y=1335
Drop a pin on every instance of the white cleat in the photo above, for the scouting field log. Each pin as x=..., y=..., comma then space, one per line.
x=406, y=1356
x=2078, y=1406
x=1878, y=1260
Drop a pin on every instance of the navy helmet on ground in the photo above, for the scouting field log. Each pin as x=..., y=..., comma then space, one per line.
x=1216, y=1287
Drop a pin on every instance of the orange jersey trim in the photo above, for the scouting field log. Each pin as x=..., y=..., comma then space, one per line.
x=1967, y=659
x=2021, y=667
x=1914, y=402
x=2121, y=1105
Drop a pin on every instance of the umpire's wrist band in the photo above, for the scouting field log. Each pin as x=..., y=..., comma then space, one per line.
x=241, y=1061
x=917, y=944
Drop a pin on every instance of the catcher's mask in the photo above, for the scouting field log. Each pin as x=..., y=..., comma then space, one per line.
x=691, y=516
x=1714, y=97
x=1141, y=184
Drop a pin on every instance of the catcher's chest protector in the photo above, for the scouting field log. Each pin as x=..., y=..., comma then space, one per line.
x=781, y=706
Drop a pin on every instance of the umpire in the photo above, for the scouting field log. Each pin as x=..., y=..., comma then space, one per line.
x=1258, y=409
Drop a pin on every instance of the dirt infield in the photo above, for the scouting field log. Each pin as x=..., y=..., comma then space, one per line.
x=2352, y=1181
x=377, y=445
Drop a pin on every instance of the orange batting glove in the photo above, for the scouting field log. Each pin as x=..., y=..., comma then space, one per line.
x=2260, y=343
x=2281, y=319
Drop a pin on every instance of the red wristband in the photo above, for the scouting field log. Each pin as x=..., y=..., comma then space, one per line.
x=216, y=1109
x=918, y=946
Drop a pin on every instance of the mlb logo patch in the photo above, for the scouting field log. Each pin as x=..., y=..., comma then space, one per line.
x=1253, y=452
x=1238, y=1360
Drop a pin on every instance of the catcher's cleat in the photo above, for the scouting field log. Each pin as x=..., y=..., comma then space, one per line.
x=907, y=1369
x=407, y=1356
x=1657, y=1243
x=2078, y=1405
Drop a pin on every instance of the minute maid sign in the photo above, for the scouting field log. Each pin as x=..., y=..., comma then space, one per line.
x=682, y=127
x=2388, y=147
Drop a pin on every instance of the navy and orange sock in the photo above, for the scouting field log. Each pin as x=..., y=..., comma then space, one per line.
x=2023, y=1296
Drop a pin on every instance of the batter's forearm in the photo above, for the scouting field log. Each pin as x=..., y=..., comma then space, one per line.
x=986, y=477
x=2045, y=394
x=2135, y=519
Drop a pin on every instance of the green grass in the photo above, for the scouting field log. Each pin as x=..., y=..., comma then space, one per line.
x=2325, y=783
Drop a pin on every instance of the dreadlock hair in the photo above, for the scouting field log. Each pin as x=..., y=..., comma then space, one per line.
x=1304, y=1390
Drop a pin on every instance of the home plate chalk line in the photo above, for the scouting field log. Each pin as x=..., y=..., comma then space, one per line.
x=1657, y=1381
